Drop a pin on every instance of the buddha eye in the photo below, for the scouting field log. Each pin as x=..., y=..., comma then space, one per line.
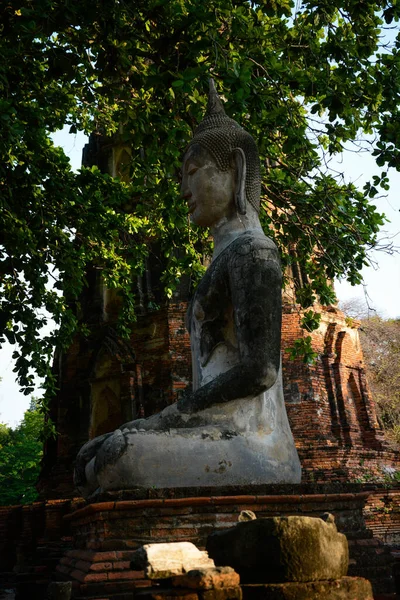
x=192, y=170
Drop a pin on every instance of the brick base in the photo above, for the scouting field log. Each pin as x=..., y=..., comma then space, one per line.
x=106, y=533
x=100, y=573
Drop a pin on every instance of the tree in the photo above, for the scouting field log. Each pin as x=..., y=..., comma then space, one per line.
x=355, y=308
x=303, y=80
x=381, y=346
x=21, y=451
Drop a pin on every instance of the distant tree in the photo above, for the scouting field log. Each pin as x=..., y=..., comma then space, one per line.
x=356, y=308
x=21, y=451
x=380, y=340
x=304, y=78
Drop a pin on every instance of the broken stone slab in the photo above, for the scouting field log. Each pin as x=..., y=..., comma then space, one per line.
x=280, y=549
x=346, y=588
x=161, y=561
x=208, y=578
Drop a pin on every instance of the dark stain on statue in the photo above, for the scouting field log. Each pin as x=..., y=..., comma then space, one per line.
x=223, y=465
x=228, y=434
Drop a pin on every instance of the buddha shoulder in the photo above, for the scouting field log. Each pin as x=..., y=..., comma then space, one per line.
x=253, y=245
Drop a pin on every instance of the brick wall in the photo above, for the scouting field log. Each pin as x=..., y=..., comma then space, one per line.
x=382, y=515
x=329, y=405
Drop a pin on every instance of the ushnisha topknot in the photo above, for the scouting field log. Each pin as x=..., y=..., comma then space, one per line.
x=220, y=135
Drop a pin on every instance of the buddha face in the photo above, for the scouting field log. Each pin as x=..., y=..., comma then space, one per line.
x=208, y=190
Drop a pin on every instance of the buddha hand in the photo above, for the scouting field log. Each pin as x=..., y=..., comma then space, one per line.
x=186, y=403
x=193, y=402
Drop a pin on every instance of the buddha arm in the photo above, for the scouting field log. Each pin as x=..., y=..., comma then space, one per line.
x=255, y=285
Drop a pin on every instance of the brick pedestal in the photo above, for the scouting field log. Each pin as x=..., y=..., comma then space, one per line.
x=106, y=533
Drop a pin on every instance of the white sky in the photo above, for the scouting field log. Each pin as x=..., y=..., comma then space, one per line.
x=382, y=281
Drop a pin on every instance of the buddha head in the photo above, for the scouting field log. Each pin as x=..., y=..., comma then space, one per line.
x=221, y=167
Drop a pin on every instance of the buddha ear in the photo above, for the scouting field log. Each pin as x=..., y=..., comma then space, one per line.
x=239, y=161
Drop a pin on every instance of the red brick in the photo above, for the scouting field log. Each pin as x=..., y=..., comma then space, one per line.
x=90, y=509
x=79, y=575
x=135, y=504
x=276, y=499
x=65, y=560
x=122, y=564
x=233, y=499
x=101, y=566
x=125, y=555
x=96, y=577
x=104, y=556
x=370, y=542
x=82, y=565
x=179, y=502
x=122, y=575
x=63, y=569
x=203, y=501
x=314, y=498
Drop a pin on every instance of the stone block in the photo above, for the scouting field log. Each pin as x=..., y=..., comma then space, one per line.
x=345, y=588
x=233, y=593
x=161, y=561
x=206, y=579
x=280, y=549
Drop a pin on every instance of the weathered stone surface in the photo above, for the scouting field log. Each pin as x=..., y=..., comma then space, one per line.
x=59, y=590
x=346, y=588
x=208, y=578
x=281, y=549
x=162, y=561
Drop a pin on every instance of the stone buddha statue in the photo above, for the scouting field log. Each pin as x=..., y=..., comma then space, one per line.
x=232, y=428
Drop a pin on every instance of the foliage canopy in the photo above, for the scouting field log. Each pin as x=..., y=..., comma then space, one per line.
x=301, y=79
x=21, y=451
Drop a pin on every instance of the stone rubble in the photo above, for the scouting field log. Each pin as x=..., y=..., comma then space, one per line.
x=162, y=561
x=280, y=549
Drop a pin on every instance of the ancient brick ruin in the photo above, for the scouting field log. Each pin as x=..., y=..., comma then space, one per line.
x=330, y=408
x=105, y=381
